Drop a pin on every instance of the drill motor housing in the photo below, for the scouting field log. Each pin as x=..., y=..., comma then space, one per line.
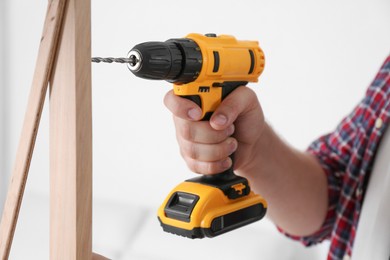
x=203, y=68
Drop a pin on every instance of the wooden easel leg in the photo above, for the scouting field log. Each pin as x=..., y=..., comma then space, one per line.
x=43, y=70
x=71, y=139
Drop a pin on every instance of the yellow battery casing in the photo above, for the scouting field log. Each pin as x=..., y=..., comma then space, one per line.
x=212, y=203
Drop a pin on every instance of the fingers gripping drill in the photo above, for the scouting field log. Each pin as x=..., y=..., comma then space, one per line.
x=204, y=69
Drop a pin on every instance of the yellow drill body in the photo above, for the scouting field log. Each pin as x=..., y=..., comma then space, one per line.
x=238, y=61
x=204, y=69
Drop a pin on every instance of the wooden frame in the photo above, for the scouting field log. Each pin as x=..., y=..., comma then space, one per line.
x=71, y=139
x=68, y=67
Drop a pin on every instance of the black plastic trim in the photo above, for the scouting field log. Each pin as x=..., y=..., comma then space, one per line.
x=180, y=206
x=194, y=98
x=252, y=62
x=222, y=224
x=216, y=61
x=191, y=63
x=229, y=86
x=235, y=220
x=194, y=233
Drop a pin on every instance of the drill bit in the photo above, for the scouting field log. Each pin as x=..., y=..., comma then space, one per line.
x=130, y=60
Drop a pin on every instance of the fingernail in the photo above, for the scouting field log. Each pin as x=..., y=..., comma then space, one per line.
x=227, y=163
x=232, y=146
x=230, y=130
x=220, y=119
x=194, y=113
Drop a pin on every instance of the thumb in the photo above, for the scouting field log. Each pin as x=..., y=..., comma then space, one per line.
x=235, y=104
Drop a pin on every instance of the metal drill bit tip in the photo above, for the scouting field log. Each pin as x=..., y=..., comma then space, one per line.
x=111, y=60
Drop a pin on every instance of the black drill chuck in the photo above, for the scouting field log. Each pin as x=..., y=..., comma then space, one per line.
x=176, y=60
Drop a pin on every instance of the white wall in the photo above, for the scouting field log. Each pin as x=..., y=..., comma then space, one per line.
x=320, y=57
x=3, y=105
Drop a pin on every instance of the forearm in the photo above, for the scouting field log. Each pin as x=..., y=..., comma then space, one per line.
x=292, y=182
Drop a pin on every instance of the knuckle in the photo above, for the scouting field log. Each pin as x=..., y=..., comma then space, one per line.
x=216, y=167
x=207, y=168
x=200, y=167
x=197, y=166
x=190, y=150
x=187, y=131
x=182, y=153
x=231, y=108
x=192, y=165
x=211, y=168
x=166, y=98
x=250, y=92
x=219, y=152
x=224, y=149
x=169, y=103
x=221, y=136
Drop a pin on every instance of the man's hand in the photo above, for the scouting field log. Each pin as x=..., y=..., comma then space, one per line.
x=292, y=182
x=236, y=126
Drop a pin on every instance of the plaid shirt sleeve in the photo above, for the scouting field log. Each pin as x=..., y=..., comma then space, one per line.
x=348, y=152
x=333, y=152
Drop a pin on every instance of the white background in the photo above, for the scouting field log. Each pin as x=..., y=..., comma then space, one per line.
x=320, y=57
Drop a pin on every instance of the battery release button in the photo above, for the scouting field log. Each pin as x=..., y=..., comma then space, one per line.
x=180, y=206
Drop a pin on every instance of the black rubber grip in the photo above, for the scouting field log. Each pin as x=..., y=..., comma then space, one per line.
x=224, y=180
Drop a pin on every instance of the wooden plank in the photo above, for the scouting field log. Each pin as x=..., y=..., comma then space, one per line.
x=43, y=68
x=71, y=139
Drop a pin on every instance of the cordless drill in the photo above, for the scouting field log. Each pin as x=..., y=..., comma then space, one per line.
x=204, y=69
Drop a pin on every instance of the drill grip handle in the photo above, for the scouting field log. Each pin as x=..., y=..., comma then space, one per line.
x=227, y=88
x=226, y=179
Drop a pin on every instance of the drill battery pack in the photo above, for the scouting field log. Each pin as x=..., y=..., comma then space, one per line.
x=207, y=207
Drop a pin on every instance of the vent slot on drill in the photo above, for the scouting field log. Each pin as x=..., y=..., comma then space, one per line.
x=252, y=62
x=236, y=219
x=180, y=206
x=216, y=61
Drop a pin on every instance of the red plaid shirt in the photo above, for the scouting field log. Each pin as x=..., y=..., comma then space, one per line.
x=347, y=157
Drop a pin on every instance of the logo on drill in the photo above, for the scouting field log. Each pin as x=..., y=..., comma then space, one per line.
x=203, y=89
